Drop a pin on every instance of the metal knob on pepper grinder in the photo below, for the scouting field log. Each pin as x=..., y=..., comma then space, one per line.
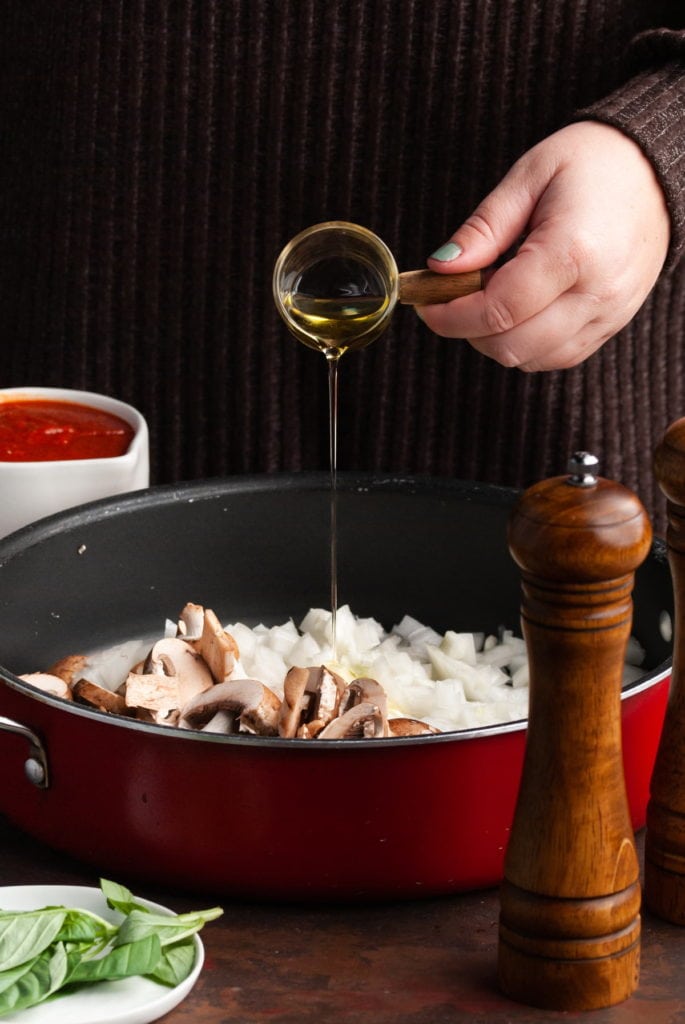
x=665, y=838
x=569, y=936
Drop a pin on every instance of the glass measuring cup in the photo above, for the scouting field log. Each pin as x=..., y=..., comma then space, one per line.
x=336, y=285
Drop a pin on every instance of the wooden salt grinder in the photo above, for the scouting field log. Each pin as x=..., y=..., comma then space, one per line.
x=569, y=934
x=665, y=840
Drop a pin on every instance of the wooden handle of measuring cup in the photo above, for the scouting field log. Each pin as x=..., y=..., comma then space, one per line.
x=423, y=287
x=665, y=838
x=569, y=936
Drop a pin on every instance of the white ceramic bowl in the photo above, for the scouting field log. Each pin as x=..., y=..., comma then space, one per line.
x=32, y=490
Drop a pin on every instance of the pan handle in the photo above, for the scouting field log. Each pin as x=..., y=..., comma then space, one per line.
x=36, y=765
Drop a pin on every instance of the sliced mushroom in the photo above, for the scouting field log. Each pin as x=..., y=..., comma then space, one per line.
x=67, y=668
x=311, y=700
x=161, y=717
x=249, y=705
x=152, y=691
x=410, y=727
x=362, y=721
x=190, y=621
x=221, y=722
x=366, y=691
x=85, y=692
x=172, y=656
x=48, y=683
x=217, y=647
x=295, y=701
x=329, y=691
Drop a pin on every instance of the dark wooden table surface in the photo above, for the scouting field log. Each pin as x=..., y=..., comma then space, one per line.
x=423, y=962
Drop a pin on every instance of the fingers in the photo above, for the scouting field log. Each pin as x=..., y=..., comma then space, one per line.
x=543, y=269
x=559, y=337
x=597, y=231
x=498, y=221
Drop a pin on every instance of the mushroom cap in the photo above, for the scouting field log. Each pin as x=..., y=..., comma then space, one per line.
x=178, y=659
x=410, y=727
x=217, y=648
x=252, y=706
x=311, y=699
x=190, y=621
x=48, y=683
x=66, y=668
x=295, y=701
x=85, y=692
x=365, y=690
x=362, y=721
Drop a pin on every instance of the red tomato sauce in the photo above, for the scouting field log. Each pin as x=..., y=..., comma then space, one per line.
x=44, y=430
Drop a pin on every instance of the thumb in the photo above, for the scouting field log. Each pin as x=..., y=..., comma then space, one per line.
x=494, y=226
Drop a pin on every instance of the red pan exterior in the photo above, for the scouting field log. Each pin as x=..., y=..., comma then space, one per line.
x=392, y=820
x=286, y=820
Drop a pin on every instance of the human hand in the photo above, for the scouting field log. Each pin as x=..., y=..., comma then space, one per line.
x=596, y=235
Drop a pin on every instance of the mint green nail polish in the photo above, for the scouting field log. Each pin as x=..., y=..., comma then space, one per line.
x=446, y=252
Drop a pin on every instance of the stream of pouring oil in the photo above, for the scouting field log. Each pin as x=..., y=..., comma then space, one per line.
x=337, y=305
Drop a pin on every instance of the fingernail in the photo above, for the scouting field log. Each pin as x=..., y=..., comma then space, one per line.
x=448, y=251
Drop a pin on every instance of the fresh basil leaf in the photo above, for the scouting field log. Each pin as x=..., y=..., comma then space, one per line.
x=175, y=964
x=84, y=926
x=10, y=977
x=139, y=925
x=6, y=915
x=46, y=976
x=121, y=962
x=25, y=934
x=119, y=897
x=58, y=966
x=170, y=928
x=56, y=948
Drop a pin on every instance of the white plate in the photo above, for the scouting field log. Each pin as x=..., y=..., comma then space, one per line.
x=129, y=1001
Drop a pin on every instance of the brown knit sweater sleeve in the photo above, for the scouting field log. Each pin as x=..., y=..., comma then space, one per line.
x=650, y=108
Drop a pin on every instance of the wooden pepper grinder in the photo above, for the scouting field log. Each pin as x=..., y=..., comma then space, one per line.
x=569, y=935
x=665, y=840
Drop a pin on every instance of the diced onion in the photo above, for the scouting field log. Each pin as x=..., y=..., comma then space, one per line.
x=452, y=681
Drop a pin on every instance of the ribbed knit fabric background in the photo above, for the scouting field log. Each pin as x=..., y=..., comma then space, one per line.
x=155, y=156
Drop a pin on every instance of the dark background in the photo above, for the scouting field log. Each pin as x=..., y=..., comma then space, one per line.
x=156, y=156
